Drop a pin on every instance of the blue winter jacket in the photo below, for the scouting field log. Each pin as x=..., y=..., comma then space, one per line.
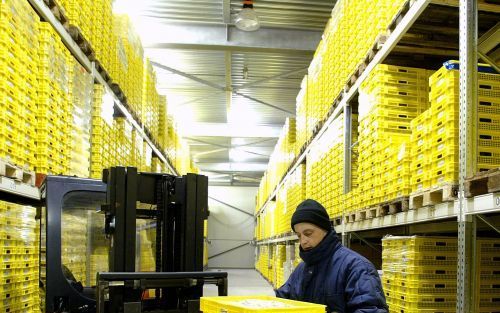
x=337, y=277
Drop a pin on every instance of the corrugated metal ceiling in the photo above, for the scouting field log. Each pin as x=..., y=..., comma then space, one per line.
x=206, y=104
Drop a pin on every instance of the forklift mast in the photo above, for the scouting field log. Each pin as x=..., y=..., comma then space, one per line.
x=176, y=208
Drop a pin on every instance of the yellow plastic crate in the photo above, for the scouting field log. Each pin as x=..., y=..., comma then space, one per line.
x=250, y=304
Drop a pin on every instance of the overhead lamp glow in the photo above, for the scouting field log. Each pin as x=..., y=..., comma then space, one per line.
x=247, y=19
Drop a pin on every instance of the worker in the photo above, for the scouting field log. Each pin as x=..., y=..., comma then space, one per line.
x=331, y=274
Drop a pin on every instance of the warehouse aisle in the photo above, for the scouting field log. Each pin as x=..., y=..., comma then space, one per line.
x=242, y=282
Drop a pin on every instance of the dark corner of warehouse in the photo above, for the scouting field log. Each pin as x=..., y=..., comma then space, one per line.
x=246, y=156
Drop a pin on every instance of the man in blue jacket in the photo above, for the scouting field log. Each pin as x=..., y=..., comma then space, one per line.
x=331, y=274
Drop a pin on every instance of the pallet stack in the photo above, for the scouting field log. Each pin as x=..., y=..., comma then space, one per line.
x=436, y=131
x=19, y=261
x=488, y=276
x=348, y=37
x=324, y=168
x=74, y=234
x=420, y=273
x=18, y=82
x=279, y=261
x=54, y=109
x=102, y=146
x=81, y=83
x=389, y=99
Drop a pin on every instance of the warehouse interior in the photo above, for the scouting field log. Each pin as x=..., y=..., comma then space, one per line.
x=153, y=153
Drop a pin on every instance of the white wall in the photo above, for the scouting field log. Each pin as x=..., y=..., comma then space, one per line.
x=229, y=228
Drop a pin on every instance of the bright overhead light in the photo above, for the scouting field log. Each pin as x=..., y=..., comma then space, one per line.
x=247, y=19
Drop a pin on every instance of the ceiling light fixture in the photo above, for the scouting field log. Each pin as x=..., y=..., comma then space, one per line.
x=246, y=19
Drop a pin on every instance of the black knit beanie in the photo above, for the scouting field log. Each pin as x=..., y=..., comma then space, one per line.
x=313, y=212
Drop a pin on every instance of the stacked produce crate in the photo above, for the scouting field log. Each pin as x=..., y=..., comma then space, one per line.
x=280, y=212
x=81, y=83
x=420, y=273
x=99, y=257
x=348, y=36
x=54, y=109
x=74, y=231
x=18, y=82
x=162, y=123
x=122, y=138
x=150, y=100
x=435, y=161
x=279, y=261
x=488, y=276
x=19, y=261
x=102, y=129
x=146, y=247
x=389, y=99
x=324, y=168
x=295, y=194
x=301, y=117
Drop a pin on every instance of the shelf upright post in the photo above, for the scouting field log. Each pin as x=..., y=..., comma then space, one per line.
x=467, y=153
x=347, y=147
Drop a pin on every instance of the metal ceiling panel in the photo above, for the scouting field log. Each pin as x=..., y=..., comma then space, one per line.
x=296, y=14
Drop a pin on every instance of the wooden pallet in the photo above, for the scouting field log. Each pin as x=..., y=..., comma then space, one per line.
x=482, y=183
x=58, y=13
x=17, y=173
x=337, y=221
x=394, y=206
x=433, y=196
x=81, y=41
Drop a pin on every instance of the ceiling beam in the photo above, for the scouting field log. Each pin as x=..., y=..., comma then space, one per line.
x=229, y=130
x=226, y=11
x=220, y=37
x=233, y=167
x=216, y=86
x=265, y=80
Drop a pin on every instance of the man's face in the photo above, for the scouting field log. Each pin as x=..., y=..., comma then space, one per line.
x=309, y=235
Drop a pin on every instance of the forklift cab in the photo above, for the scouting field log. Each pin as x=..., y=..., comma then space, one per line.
x=132, y=242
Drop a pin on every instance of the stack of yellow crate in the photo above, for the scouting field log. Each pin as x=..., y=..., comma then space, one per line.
x=389, y=99
x=99, y=257
x=301, y=117
x=74, y=243
x=296, y=192
x=420, y=273
x=150, y=100
x=347, y=38
x=435, y=161
x=488, y=276
x=102, y=146
x=279, y=260
x=81, y=83
x=19, y=260
x=146, y=251
x=18, y=82
x=162, y=123
x=54, y=109
x=297, y=259
x=419, y=142
x=280, y=212
x=148, y=157
x=122, y=131
x=137, y=150
x=324, y=168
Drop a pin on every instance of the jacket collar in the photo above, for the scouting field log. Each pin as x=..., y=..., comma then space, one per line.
x=322, y=251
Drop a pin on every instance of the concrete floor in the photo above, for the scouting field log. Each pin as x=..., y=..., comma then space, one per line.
x=242, y=282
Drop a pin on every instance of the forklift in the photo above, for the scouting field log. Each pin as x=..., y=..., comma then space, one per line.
x=91, y=216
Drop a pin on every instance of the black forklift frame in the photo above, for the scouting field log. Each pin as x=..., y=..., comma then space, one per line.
x=181, y=208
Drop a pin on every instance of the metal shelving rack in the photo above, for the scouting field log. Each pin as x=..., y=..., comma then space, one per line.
x=464, y=210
